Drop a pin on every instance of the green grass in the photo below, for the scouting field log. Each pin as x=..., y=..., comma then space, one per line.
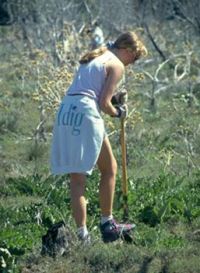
x=166, y=211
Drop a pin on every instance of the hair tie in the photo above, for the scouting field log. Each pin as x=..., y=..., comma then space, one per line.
x=110, y=44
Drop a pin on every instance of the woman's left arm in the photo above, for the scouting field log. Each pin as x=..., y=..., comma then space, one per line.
x=115, y=72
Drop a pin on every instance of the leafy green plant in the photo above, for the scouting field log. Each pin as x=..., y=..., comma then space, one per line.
x=9, y=122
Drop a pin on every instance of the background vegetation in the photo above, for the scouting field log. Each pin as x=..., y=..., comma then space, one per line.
x=40, y=44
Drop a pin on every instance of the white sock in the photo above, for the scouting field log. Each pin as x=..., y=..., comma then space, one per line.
x=82, y=232
x=105, y=219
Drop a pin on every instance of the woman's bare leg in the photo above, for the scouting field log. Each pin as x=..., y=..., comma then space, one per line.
x=108, y=168
x=78, y=202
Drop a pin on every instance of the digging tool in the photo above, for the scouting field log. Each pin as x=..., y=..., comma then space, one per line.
x=124, y=169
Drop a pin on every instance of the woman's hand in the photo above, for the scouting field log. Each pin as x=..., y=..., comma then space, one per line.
x=120, y=98
x=122, y=111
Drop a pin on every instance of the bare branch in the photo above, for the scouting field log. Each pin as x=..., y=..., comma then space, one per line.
x=159, y=68
x=186, y=69
x=154, y=42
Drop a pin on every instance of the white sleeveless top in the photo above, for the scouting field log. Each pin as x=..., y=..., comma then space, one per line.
x=90, y=77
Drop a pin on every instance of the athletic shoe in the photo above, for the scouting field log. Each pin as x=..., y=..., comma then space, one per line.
x=86, y=240
x=112, y=231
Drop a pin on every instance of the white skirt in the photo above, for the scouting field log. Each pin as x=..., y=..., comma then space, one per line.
x=77, y=136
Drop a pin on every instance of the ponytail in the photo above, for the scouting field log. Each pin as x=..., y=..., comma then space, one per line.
x=89, y=56
x=127, y=40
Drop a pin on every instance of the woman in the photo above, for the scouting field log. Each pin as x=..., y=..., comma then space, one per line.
x=79, y=138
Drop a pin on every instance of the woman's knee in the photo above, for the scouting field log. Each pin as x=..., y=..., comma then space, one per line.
x=114, y=167
x=106, y=162
x=110, y=169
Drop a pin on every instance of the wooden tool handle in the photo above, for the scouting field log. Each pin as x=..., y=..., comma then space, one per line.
x=124, y=168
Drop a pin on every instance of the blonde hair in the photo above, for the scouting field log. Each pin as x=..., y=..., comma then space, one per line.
x=89, y=56
x=127, y=40
x=130, y=40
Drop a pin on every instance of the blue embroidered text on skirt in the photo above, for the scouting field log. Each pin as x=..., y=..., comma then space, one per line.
x=77, y=136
